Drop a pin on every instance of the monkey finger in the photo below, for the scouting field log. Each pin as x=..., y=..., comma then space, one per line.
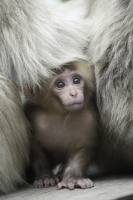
x=81, y=184
x=46, y=182
x=88, y=183
x=52, y=182
x=38, y=183
x=70, y=186
x=61, y=185
x=35, y=184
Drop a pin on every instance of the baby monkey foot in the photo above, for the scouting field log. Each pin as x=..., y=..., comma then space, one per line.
x=46, y=181
x=73, y=182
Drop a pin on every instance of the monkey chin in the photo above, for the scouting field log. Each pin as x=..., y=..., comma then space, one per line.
x=74, y=106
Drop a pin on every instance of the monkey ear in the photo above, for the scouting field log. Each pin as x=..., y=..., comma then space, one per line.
x=29, y=92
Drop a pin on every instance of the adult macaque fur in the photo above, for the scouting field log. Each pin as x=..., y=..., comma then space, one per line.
x=64, y=125
x=111, y=51
x=14, y=138
x=35, y=35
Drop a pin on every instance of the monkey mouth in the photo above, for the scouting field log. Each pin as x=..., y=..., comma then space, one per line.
x=74, y=106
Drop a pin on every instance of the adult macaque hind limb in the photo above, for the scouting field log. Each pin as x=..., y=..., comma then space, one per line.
x=64, y=125
x=14, y=138
x=111, y=48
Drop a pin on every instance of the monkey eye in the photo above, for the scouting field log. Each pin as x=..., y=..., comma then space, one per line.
x=60, y=84
x=76, y=81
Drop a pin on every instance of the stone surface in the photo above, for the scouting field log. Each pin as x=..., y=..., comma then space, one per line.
x=106, y=188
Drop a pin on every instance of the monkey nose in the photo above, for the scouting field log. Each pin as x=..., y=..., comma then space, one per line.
x=73, y=94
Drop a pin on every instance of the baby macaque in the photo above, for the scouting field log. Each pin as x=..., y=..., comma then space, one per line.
x=63, y=119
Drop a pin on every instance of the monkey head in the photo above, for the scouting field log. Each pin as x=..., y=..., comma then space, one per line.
x=68, y=88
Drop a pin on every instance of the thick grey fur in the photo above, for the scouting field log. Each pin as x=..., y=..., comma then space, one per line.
x=111, y=51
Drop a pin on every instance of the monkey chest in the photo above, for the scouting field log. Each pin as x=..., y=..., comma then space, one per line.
x=58, y=134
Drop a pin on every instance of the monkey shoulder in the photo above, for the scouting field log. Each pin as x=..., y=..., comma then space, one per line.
x=37, y=115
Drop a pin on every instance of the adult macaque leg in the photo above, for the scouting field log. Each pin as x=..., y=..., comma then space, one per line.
x=14, y=138
x=74, y=173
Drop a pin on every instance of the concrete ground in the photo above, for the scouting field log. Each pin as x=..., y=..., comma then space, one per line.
x=106, y=188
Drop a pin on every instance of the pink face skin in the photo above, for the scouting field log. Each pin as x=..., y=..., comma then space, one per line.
x=69, y=88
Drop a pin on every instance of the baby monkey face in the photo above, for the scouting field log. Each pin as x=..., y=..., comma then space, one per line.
x=69, y=89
